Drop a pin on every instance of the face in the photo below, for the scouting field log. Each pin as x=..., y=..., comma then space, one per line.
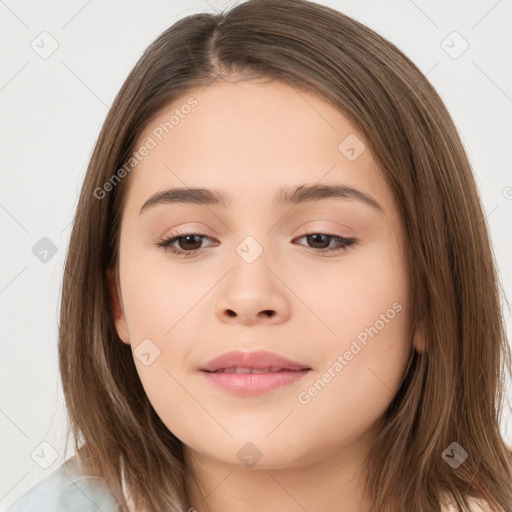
x=320, y=281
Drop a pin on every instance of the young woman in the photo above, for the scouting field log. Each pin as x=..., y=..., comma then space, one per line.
x=280, y=293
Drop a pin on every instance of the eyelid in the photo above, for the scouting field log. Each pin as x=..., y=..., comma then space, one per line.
x=184, y=231
x=179, y=233
x=345, y=243
x=327, y=226
x=325, y=231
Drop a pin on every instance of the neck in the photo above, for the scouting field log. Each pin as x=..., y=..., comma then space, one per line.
x=332, y=482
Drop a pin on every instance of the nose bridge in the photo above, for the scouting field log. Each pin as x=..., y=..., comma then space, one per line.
x=250, y=249
x=251, y=266
x=251, y=289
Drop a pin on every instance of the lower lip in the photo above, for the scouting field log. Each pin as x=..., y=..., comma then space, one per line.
x=254, y=383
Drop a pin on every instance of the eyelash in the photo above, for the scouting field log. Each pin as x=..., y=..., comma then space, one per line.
x=166, y=243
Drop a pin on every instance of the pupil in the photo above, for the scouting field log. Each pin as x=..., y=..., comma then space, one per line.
x=316, y=241
x=186, y=239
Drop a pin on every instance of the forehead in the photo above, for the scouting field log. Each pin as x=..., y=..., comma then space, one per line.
x=250, y=139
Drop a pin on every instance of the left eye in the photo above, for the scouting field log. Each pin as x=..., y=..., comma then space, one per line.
x=322, y=238
x=190, y=243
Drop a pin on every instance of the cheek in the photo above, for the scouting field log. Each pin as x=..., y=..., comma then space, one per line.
x=362, y=373
x=351, y=293
x=365, y=345
x=159, y=294
x=163, y=311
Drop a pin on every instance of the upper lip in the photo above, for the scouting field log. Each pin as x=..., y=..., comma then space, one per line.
x=260, y=359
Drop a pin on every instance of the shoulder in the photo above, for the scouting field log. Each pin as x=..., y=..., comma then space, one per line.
x=67, y=489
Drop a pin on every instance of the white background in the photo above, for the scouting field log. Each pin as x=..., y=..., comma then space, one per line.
x=52, y=110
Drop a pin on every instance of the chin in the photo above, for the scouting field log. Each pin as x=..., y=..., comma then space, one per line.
x=256, y=453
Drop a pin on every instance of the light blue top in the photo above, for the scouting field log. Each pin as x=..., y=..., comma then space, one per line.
x=67, y=490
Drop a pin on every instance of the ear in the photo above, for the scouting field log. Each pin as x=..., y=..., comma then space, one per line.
x=419, y=340
x=117, y=307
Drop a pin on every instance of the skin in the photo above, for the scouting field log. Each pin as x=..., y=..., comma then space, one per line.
x=249, y=139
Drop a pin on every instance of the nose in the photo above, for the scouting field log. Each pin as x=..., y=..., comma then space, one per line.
x=253, y=293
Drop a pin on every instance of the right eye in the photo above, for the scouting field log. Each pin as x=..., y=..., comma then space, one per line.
x=189, y=239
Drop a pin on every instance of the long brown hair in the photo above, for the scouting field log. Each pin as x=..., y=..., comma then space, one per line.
x=452, y=392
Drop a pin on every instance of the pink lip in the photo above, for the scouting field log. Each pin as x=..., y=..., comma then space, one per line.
x=284, y=371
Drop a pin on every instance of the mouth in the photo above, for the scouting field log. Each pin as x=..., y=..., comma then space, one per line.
x=252, y=373
x=249, y=381
x=237, y=369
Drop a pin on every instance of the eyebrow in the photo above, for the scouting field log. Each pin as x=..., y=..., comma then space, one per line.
x=300, y=194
